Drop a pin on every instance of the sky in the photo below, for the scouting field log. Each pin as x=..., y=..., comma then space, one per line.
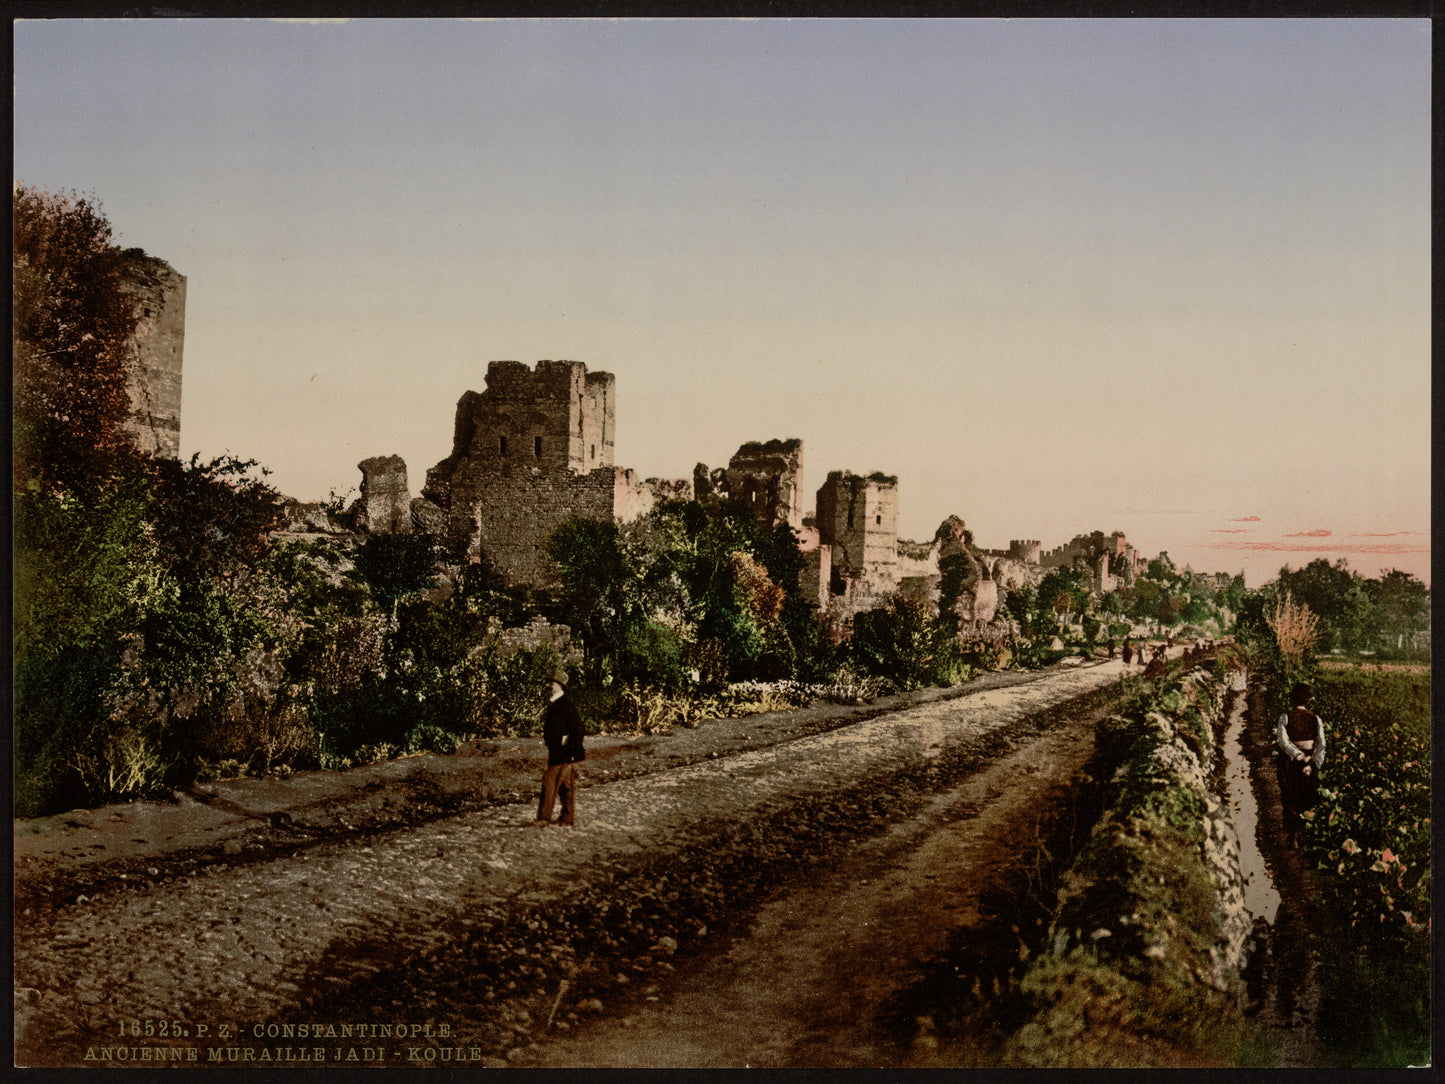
x=1165, y=277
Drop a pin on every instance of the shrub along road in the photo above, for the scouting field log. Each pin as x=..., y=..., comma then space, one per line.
x=421, y=896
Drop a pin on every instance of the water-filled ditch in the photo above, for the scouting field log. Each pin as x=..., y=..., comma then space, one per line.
x=1261, y=898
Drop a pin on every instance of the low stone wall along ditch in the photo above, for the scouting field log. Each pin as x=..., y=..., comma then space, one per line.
x=1143, y=961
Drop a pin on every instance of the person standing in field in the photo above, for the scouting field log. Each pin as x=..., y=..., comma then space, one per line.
x=1300, y=739
x=1128, y=651
x=562, y=732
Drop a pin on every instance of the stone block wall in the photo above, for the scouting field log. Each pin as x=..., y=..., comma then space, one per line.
x=858, y=518
x=768, y=478
x=157, y=353
x=1027, y=550
x=598, y=419
x=533, y=448
x=385, y=503
x=816, y=575
x=515, y=513
x=634, y=497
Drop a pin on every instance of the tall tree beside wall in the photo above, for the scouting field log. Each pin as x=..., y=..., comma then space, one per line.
x=72, y=323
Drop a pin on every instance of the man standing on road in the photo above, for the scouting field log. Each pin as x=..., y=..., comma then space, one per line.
x=562, y=731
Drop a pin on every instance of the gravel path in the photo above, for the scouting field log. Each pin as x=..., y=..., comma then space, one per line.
x=244, y=949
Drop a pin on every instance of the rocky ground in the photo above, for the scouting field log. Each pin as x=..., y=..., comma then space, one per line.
x=821, y=858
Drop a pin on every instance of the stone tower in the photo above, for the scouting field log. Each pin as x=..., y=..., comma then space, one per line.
x=156, y=353
x=532, y=450
x=767, y=478
x=857, y=519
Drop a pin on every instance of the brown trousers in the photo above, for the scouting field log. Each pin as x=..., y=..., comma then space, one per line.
x=559, y=779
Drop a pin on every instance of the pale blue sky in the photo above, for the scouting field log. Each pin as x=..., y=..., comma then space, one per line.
x=1057, y=276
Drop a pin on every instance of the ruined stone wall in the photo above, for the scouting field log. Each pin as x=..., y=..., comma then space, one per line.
x=816, y=575
x=635, y=497
x=554, y=417
x=1011, y=574
x=1084, y=548
x=768, y=478
x=533, y=448
x=157, y=353
x=1027, y=550
x=858, y=518
x=598, y=415
x=384, y=506
x=1104, y=582
x=311, y=518
x=917, y=560
x=519, y=510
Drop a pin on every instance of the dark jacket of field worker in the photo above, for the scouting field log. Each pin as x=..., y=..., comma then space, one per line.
x=562, y=731
x=1300, y=740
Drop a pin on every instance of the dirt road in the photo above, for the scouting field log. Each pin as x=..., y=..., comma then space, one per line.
x=821, y=975
x=467, y=931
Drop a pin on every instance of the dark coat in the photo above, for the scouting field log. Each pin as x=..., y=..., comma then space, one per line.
x=559, y=721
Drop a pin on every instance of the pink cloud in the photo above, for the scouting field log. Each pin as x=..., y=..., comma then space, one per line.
x=1229, y=530
x=1318, y=532
x=1388, y=534
x=1361, y=548
x=1245, y=519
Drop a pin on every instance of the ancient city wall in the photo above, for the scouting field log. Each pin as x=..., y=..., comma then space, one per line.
x=384, y=506
x=858, y=518
x=533, y=448
x=768, y=478
x=519, y=510
x=157, y=353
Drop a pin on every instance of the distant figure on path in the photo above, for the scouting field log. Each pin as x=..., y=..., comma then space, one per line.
x=1300, y=739
x=1111, y=648
x=1128, y=652
x=563, y=733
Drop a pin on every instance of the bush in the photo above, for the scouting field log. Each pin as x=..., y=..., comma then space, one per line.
x=903, y=643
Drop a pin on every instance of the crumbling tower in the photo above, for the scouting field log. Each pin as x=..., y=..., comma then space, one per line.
x=156, y=351
x=532, y=450
x=857, y=520
x=767, y=478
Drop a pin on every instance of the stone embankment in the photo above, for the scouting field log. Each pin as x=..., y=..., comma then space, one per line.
x=360, y=935
x=1147, y=950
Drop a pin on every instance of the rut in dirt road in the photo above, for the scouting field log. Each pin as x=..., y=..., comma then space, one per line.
x=844, y=969
x=341, y=925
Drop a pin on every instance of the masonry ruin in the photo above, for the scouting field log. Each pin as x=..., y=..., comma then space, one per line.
x=765, y=476
x=536, y=447
x=156, y=352
x=384, y=506
x=531, y=450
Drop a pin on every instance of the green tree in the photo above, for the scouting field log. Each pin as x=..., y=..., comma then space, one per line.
x=72, y=325
x=1401, y=606
x=902, y=641
x=1063, y=590
x=213, y=519
x=395, y=566
x=601, y=587
x=1336, y=595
